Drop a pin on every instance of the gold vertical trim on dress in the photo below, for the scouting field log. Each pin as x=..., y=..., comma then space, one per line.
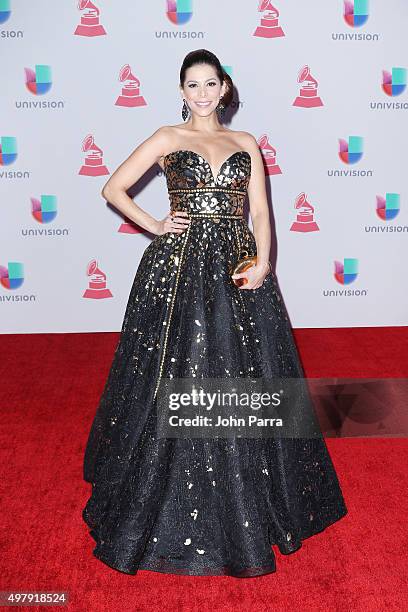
x=240, y=249
x=187, y=231
x=239, y=243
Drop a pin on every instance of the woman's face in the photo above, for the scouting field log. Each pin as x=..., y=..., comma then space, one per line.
x=202, y=89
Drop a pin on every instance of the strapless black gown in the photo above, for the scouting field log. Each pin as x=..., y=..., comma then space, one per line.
x=201, y=506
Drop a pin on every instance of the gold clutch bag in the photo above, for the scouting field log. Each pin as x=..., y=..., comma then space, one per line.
x=242, y=265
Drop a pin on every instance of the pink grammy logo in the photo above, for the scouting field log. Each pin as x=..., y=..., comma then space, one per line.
x=97, y=288
x=130, y=96
x=269, y=27
x=269, y=156
x=304, y=218
x=93, y=165
x=307, y=97
x=89, y=25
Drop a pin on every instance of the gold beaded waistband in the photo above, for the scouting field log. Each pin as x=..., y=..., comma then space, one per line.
x=201, y=189
x=211, y=215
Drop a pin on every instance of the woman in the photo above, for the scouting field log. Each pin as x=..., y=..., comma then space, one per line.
x=203, y=505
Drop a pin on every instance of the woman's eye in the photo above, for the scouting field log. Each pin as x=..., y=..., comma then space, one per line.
x=194, y=84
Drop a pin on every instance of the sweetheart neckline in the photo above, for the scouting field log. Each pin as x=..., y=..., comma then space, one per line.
x=215, y=179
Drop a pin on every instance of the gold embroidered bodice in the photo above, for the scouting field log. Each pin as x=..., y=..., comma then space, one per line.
x=192, y=187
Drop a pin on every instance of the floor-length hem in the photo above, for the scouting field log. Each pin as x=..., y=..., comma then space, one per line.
x=253, y=573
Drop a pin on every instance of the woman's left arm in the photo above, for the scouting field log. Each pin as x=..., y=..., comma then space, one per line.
x=258, y=206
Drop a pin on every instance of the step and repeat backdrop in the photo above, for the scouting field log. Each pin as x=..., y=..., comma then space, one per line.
x=320, y=84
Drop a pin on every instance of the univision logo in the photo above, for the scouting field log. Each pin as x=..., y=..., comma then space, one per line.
x=355, y=12
x=12, y=277
x=394, y=82
x=44, y=211
x=355, y=15
x=387, y=209
x=38, y=81
x=8, y=150
x=8, y=155
x=350, y=152
x=5, y=12
x=345, y=273
x=179, y=11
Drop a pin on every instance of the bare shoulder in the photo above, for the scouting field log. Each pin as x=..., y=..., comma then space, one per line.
x=167, y=135
x=248, y=141
x=163, y=136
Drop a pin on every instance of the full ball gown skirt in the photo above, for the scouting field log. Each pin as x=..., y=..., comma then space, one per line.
x=201, y=506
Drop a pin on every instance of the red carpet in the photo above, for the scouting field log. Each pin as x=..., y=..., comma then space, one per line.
x=50, y=387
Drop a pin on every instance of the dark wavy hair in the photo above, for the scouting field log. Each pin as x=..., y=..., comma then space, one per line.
x=203, y=56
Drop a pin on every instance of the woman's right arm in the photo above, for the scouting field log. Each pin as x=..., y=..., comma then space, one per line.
x=129, y=172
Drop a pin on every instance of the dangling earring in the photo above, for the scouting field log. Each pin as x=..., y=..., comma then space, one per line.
x=220, y=108
x=185, y=111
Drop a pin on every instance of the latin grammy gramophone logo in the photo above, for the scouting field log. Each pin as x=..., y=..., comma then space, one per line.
x=12, y=277
x=269, y=26
x=304, y=216
x=97, y=288
x=130, y=96
x=89, y=25
x=355, y=12
x=179, y=11
x=308, y=96
x=389, y=207
x=269, y=156
x=346, y=271
x=93, y=165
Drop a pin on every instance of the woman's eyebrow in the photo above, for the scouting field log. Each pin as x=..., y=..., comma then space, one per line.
x=193, y=81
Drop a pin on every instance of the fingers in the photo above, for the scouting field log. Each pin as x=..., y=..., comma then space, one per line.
x=181, y=219
x=248, y=285
x=254, y=286
x=181, y=213
x=255, y=282
x=178, y=221
x=245, y=287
